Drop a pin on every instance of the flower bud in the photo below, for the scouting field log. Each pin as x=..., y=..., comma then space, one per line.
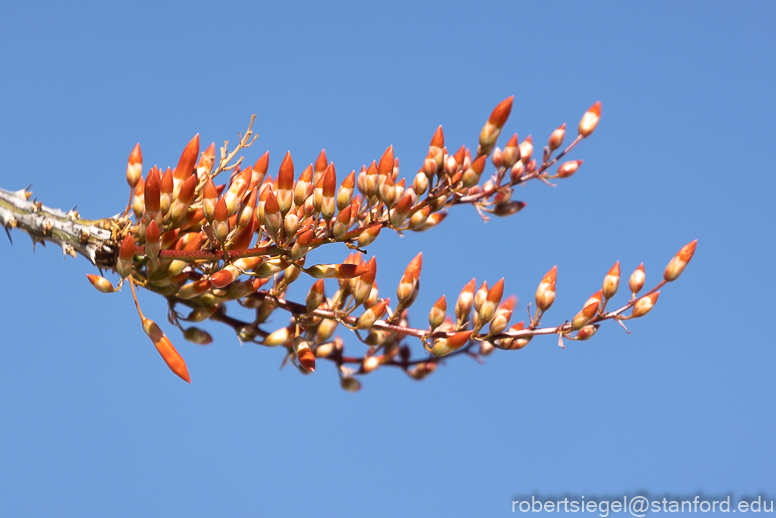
x=328, y=202
x=445, y=346
x=194, y=289
x=502, y=316
x=325, y=329
x=590, y=120
x=126, y=258
x=487, y=309
x=587, y=332
x=134, y=166
x=472, y=175
x=350, y=384
x=526, y=150
x=304, y=354
x=138, y=199
x=152, y=245
x=438, y=313
x=511, y=153
x=371, y=315
x=492, y=128
x=644, y=305
x=568, y=168
x=209, y=200
x=611, y=281
x=637, y=279
x=336, y=271
x=345, y=192
x=101, y=284
x=583, y=317
x=234, y=194
x=206, y=161
x=315, y=296
x=221, y=220
x=465, y=300
x=545, y=293
x=166, y=349
x=679, y=262
x=197, y=336
x=556, y=138
x=421, y=370
x=496, y=157
x=279, y=337
x=369, y=234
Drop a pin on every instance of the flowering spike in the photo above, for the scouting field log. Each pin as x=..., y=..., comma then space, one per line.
x=679, y=262
x=135, y=166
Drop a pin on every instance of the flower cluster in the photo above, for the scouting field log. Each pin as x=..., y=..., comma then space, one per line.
x=245, y=241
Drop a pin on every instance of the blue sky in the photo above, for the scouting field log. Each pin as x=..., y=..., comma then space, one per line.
x=93, y=424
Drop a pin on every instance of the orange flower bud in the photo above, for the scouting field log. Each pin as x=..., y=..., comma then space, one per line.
x=511, y=153
x=101, y=284
x=336, y=271
x=225, y=277
x=583, y=317
x=328, y=203
x=273, y=219
x=612, y=281
x=325, y=330
x=526, y=149
x=341, y=225
x=362, y=285
x=445, y=346
x=165, y=194
x=302, y=244
x=496, y=157
x=194, y=289
x=197, y=336
x=209, y=200
x=206, y=161
x=345, y=193
x=472, y=175
x=371, y=315
x=590, y=120
x=637, y=279
x=545, y=293
x=135, y=166
x=152, y=194
x=221, y=220
x=320, y=166
x=399, y=213
x=644, y=305
x=679, y=262
x=369, y=234
x=556, y=138
x=234, y=194
x=465, y=300
x=285, y=194
x=385, y=167
x=315, y=296
x=568, y=168
x=501, y=112
x=303, y=186
x=502, y=316
x=480, y=296
x=152, y=245
x=587, y=332
x=304, y=354
x=487, y=309
x=126, y=258
x=279, y=337
x=517, y=172
x=432, y=221
x=514, y=344
x=438, y=313
x=166, y=349
x=138, y=199
x=187, y=161
x=185, y=197
x=259, y=170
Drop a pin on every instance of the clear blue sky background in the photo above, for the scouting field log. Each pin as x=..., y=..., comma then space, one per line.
x=93, y=424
